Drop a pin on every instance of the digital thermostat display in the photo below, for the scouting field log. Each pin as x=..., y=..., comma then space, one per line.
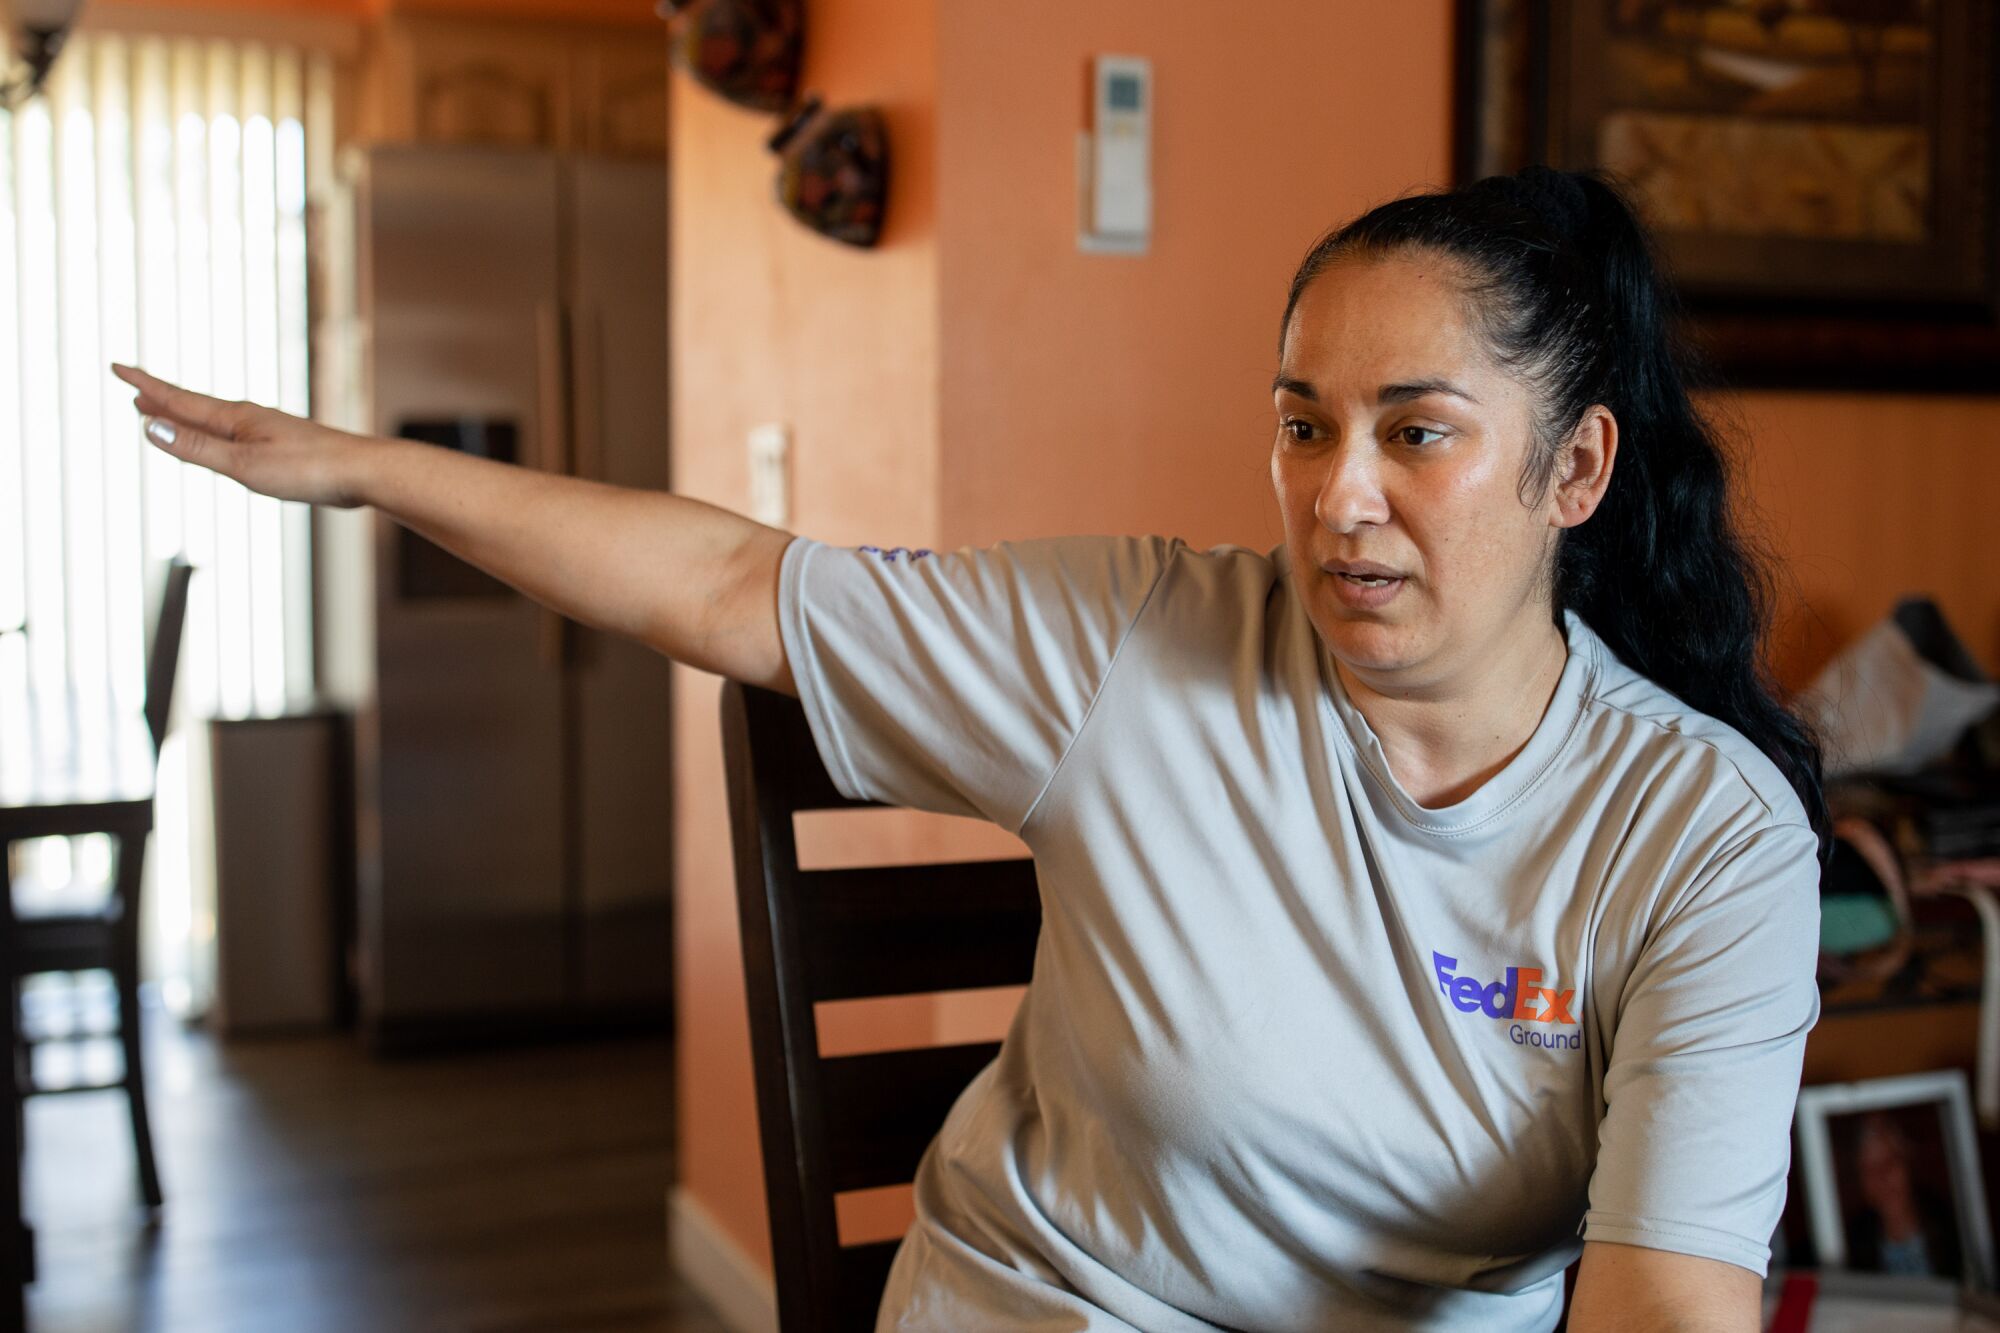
x=1114, y=160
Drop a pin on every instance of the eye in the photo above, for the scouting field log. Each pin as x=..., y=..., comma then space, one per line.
x=1404, y=435
x=1290, y=422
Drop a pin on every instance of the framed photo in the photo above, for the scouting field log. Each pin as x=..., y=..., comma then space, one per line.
x=1822, y=174
x=1892, y=1178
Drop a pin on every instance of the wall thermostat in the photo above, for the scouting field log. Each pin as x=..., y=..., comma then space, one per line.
x=1114, y=158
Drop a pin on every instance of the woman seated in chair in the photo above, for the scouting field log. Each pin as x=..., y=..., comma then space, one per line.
x=1429, y=901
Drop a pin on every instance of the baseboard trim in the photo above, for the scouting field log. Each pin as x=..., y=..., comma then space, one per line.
x=709, y=1260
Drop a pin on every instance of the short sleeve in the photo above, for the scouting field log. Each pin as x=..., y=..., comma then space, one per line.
x=954, y=681
x=1694, y=1146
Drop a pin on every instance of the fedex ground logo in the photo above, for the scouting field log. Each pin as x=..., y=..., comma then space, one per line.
x=1535, y=1014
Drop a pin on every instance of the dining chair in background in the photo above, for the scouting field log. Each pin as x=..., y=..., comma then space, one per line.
x=830, y=1124
x=94, y=926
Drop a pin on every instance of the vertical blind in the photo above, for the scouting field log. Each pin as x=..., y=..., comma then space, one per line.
x=153, y=205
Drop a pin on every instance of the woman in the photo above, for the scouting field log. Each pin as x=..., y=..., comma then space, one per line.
x=1897, y=1223
x=1428, y=901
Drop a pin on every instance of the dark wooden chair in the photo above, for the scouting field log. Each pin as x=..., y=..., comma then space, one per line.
x=102, y=931
x=835, y=1123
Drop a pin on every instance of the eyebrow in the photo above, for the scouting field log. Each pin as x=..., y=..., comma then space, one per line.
x=1388, y=393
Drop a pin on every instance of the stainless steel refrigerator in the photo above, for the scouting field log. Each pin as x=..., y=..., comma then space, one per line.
x=513, y=768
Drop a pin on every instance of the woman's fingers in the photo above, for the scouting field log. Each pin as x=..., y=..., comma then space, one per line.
x=191, y=444
x=271, y=452
x=222, y=419
x=191, y=426
x=185, y=406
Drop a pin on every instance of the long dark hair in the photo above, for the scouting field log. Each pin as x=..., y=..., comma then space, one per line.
x=1570, y=293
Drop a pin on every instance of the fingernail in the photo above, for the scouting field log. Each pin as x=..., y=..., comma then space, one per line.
x=162, y=432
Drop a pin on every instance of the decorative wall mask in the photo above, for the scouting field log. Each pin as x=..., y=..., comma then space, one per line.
x=834, y=172
x=746, y=50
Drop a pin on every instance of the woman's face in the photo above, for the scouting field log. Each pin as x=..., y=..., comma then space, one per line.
x=1884, y=1166
x=1401, y=442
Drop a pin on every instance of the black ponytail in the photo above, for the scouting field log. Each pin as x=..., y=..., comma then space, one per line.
x=1570, y=294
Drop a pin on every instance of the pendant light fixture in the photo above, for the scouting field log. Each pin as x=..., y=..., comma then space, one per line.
x=34, y=32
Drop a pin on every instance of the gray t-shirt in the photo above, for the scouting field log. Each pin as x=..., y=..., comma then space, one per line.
x=1300, y=1053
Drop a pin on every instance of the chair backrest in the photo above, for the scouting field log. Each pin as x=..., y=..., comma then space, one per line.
x=838, y=1123
x=166, y=616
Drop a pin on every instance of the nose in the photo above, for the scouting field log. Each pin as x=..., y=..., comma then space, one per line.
x=1351, y=493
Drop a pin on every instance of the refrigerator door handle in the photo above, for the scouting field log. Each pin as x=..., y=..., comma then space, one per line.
x=552, y=336
x=586, y=385
x=552, y=447
x=586, y=328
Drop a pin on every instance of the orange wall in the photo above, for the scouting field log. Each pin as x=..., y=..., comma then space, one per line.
x=1103, y=393
x=1867, y=497
x=978, y=378
x=771, y=322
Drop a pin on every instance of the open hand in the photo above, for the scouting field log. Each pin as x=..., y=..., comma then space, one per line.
x=271, y=452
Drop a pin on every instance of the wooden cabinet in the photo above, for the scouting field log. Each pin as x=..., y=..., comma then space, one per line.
x=520, y=84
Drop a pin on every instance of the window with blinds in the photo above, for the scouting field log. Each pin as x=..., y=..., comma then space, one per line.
x=153, y=206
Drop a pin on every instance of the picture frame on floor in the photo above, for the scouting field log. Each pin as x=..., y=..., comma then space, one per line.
x=1891, y=1176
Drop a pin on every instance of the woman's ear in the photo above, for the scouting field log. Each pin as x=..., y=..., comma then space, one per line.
x=1586, y=466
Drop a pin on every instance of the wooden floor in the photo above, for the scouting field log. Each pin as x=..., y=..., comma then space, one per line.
x=311, y=1188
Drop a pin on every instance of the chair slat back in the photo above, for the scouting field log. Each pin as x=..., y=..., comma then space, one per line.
x=167, y=618
x=838, y=1123
x=910, y=930
x=882, y=1109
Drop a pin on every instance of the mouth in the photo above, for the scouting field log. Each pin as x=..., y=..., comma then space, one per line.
x=1363, y=585
x=1363, y=573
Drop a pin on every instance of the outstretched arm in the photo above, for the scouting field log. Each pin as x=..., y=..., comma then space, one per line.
x=696, y=582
